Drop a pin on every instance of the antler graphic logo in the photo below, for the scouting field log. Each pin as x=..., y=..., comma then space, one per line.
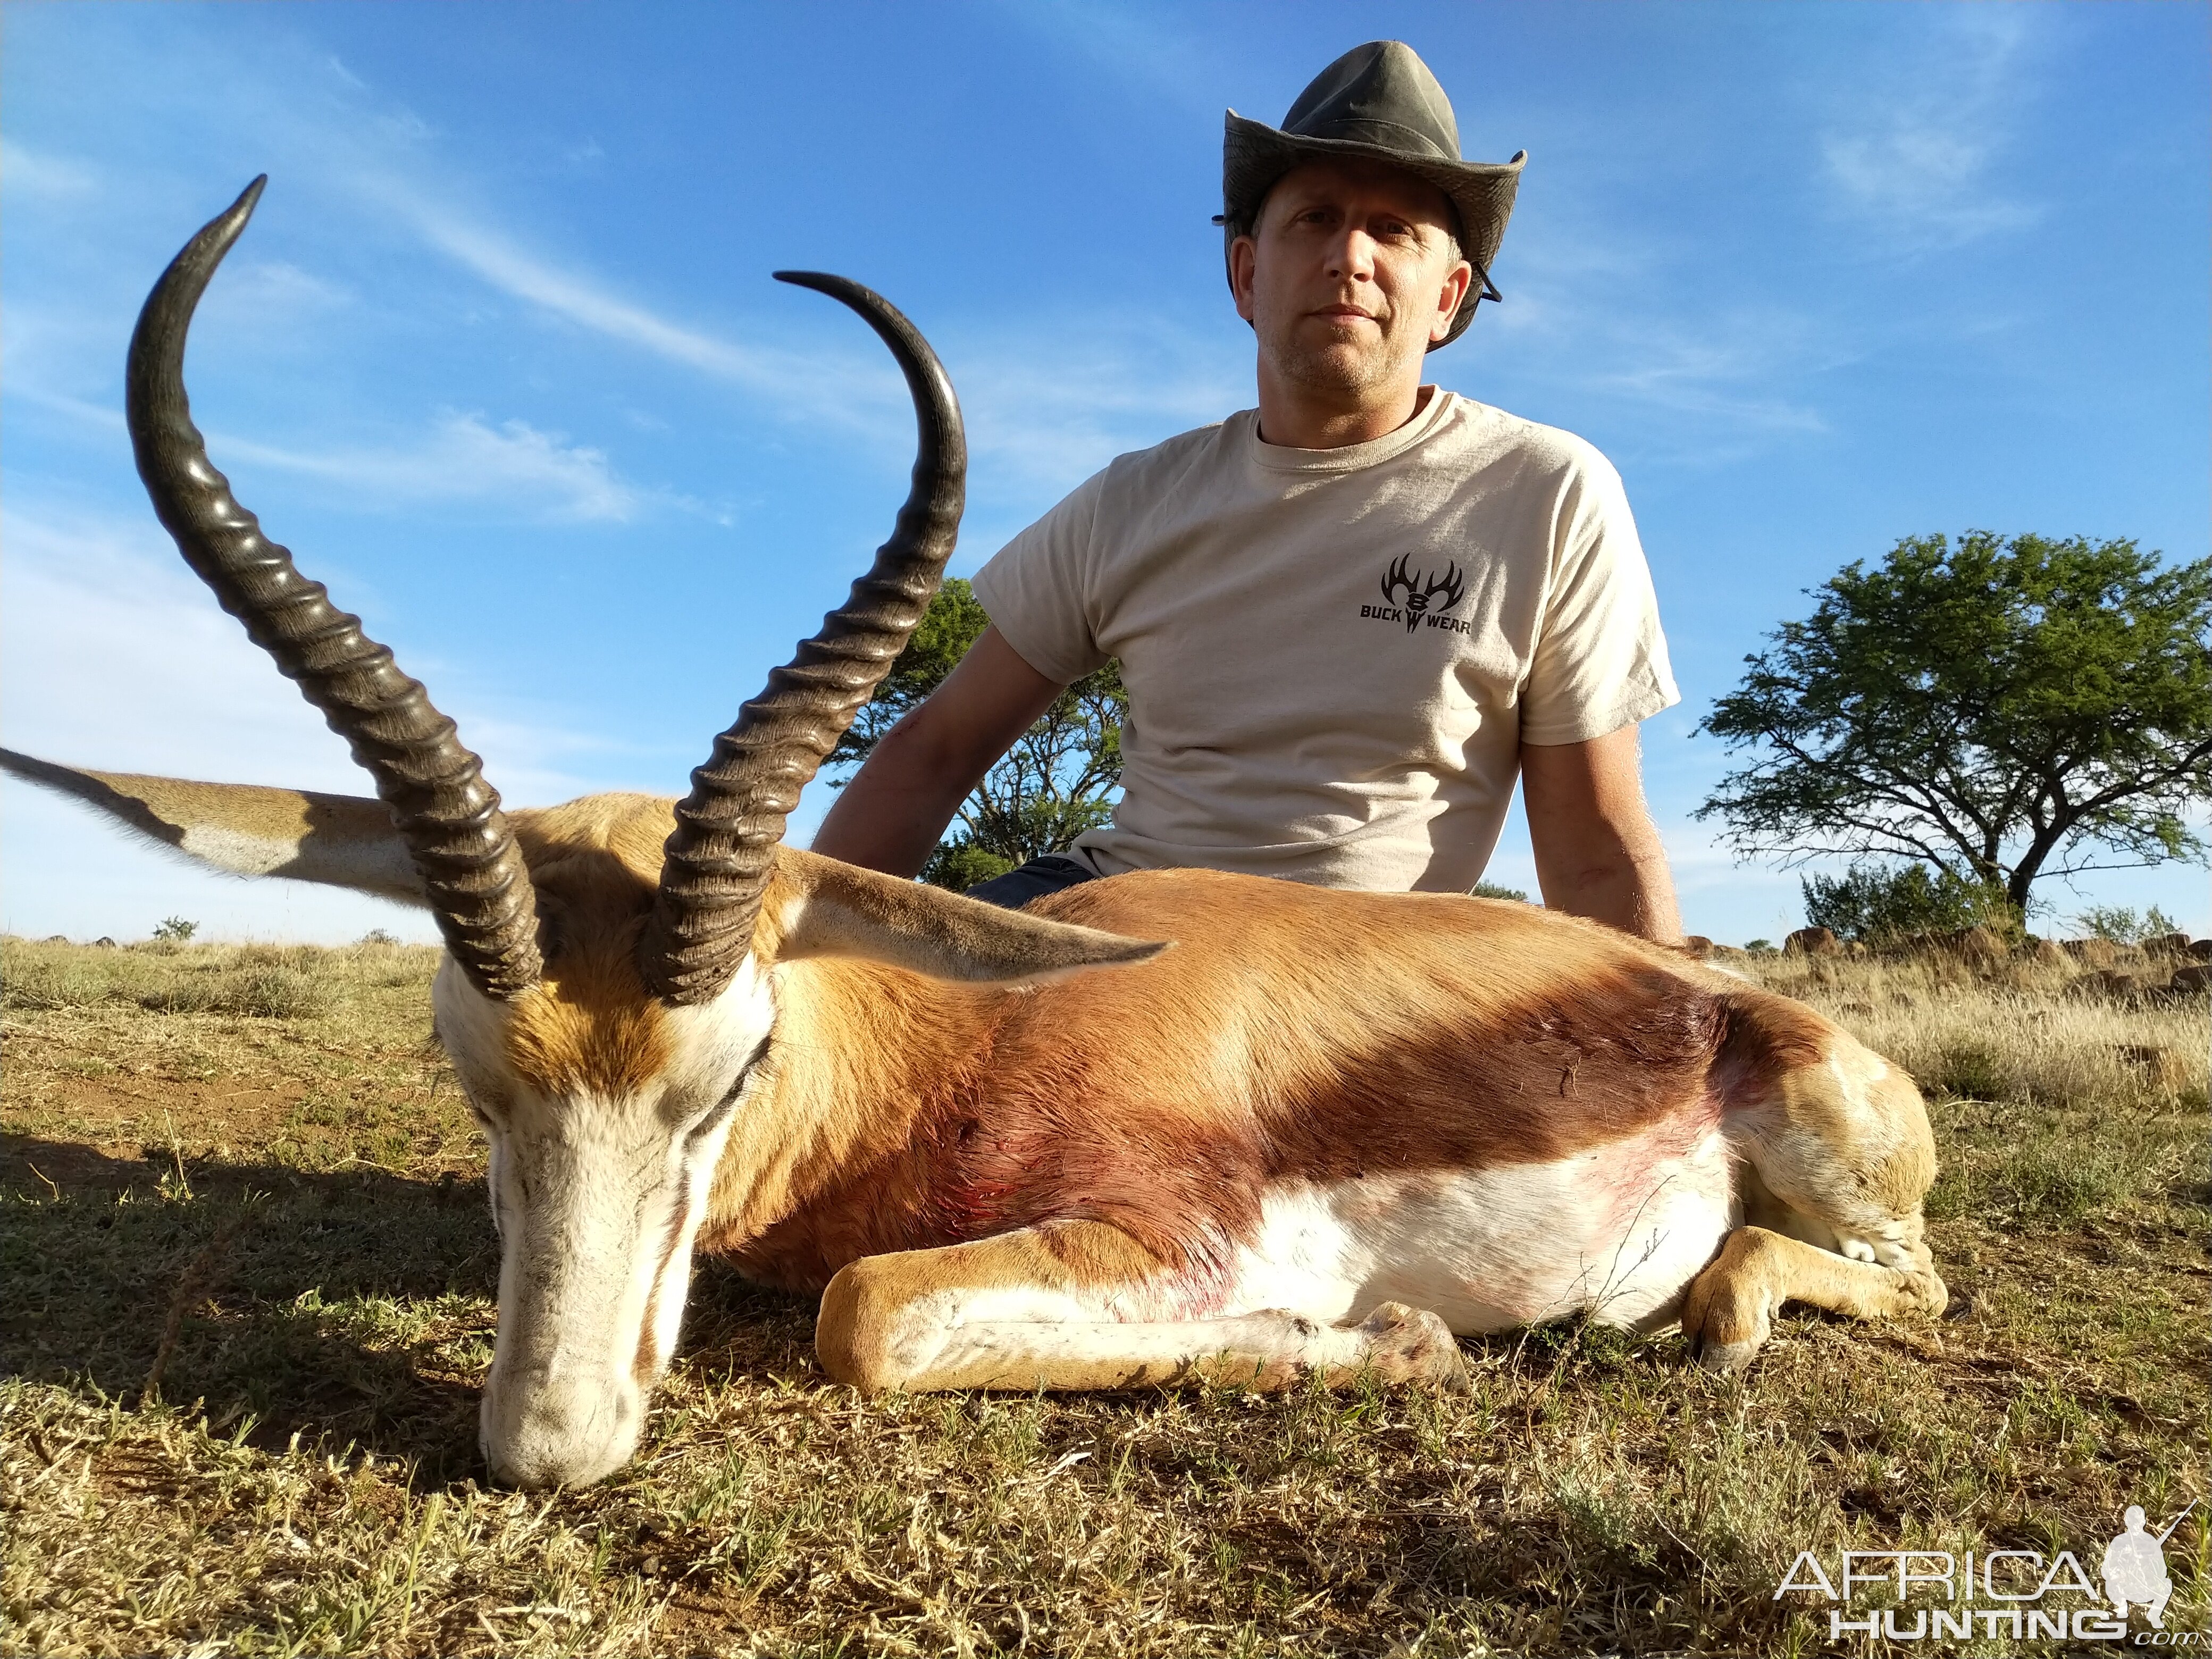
x=1420, y=590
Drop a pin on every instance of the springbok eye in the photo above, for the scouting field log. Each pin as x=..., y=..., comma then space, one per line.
x=714, y=1119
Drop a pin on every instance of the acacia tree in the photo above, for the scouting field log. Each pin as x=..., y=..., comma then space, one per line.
x=1050, y=787
x=2002, y=710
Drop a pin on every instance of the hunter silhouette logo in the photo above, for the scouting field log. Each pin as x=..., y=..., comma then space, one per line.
x=1422, y=592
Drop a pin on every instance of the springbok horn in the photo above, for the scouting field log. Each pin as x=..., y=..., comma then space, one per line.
x=478, y=884
x=716, y=863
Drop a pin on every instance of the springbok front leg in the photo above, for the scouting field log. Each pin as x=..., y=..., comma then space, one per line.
x=1729, y=1312
x=1036, y=1309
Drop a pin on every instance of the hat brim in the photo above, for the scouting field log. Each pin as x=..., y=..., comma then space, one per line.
x=1254, y=155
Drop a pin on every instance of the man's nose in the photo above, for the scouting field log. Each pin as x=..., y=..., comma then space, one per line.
x=1353, y=255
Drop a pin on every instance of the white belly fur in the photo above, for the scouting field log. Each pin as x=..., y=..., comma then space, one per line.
x=1619, y=1232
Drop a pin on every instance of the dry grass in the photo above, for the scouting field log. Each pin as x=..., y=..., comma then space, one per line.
x=271, y=1208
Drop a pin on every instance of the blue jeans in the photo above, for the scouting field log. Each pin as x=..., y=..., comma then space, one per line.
x=1035, y=879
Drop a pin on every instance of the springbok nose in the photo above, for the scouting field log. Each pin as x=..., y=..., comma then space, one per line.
x=573, y=1432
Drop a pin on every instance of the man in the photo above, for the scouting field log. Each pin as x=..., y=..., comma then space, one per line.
x=1348, y=618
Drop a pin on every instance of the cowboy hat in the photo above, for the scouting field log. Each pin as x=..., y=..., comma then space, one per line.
x=1378, y=102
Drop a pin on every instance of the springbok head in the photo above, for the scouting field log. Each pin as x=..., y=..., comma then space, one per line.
x=608, y=987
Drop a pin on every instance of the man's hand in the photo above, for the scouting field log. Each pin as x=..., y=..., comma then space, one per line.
x=1597, y=851
x=893, y=812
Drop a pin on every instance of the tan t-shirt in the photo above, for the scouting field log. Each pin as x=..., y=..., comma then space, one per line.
x=1333, y=655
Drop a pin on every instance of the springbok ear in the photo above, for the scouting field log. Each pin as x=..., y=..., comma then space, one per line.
x=834, y=910
x=340, y=840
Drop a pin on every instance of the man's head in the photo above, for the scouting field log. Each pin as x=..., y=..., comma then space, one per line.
x=1378, y=104
x=1351, y=271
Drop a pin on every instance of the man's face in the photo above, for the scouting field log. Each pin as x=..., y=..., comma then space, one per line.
x=1347, y=278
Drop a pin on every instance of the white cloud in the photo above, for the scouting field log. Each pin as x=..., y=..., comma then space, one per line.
x=844, y=388
x=112, y=654
x=24, y=172
x=1909, y=162
x=462, y=459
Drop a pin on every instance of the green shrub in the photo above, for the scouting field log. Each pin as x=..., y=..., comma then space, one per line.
x=959, y=866
x=42, y=982
x=2121, y=925
x=1885, y=907
x=275, y=994
x=1491, y=890
x=1971, y=1072
x=175, y=930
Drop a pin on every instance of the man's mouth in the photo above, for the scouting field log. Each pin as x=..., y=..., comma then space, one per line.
x=1346, y=313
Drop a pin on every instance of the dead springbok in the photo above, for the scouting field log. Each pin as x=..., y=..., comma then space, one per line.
x=1323, y=1133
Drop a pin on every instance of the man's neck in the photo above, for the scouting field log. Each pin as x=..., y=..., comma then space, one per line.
x=1297, y=422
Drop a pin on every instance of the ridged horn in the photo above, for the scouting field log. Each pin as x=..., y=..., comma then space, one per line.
x=716, y=862
x=478, y=884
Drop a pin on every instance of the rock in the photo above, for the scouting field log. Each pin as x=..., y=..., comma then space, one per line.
x=104, y=942
x=1698, y=946
x=2166, y=944
x=2092, y=952
x=2193, y=981
x=2202, y=950
x=2161, y=1068
x=55, y=938
x=2106, y=983
x=1974, y=943
x=2045, y=953
x=1810, y=942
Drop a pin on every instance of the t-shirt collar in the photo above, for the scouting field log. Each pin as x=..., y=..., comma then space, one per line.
x=1278, y=458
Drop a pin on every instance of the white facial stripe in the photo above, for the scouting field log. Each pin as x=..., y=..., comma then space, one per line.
x=599, y=1200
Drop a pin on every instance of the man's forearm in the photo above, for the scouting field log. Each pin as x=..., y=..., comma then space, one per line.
x=890, y=817
x=1625, y=884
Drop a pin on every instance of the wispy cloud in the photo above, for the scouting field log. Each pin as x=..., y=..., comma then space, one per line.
x=846, y=389
x=534, y=477
x=27, y=172
x=1716, y=375
x=112, y=654
x=1910, y=161
x=464, y=458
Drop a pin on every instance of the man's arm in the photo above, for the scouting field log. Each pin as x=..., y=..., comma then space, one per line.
x=894, y=811
x=1597, y=851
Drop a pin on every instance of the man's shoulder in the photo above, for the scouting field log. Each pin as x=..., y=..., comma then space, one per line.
x=1171, y=458
x=1547, y=451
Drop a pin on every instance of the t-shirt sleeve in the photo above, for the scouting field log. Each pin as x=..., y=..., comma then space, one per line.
x=1039, y=591
x=1600, y=663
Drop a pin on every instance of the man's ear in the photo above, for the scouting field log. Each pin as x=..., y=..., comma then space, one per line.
x=1457, y=281
x=829, y=909
x=1244, y=260
x=339, y=840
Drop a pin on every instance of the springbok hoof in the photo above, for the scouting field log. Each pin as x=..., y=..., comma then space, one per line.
x=1411, y=1345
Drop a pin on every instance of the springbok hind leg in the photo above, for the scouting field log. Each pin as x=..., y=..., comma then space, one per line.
x=1729, y=1312
x=1036, y=1309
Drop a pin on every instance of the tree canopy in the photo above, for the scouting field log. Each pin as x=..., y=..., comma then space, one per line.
x=2001, y=710
x=1052, y=785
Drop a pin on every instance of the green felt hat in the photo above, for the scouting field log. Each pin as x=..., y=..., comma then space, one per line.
x=1378, y=102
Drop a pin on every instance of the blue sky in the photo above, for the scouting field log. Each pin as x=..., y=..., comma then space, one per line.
x=501, y=360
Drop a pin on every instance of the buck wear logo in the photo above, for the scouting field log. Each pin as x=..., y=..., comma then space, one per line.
x=1422, y=594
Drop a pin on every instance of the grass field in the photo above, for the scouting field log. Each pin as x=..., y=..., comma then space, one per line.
x=246, y=1276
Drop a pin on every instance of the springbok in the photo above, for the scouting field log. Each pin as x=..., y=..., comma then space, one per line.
x=1322, y=1134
